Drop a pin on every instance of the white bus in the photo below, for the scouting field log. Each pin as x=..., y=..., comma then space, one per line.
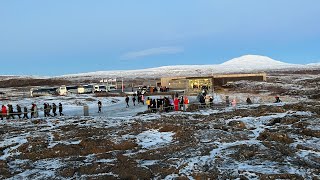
x=43, y=91
x=99, y=88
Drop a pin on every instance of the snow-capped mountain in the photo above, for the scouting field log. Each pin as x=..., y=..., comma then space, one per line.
x=243, y=64
x=254, y=60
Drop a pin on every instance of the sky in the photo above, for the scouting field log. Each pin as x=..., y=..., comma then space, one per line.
x=64, y=37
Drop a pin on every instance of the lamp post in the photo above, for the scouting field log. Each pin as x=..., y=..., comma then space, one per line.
x=212, y=82
x=122, y=84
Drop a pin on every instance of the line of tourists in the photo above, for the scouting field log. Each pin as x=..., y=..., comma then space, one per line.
x=9, y=113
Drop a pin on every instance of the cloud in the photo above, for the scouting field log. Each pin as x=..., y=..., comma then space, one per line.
x=152, y=52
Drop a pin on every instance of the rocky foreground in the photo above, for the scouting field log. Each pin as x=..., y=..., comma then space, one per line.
x=271, y=141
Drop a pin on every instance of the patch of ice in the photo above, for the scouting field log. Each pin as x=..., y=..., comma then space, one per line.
x=100, y=174
x=171, y=176
x=106, y=160
x=148, y=162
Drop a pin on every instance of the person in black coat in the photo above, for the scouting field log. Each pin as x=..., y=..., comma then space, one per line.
x=54, y=109
x=60, y=109
x=99, y=106
x=211, y=101
x=25, y=113
x=249, y=101
x=181, y=102
x=19, y=112
x=45, y=109
x=278, y=100
x=127, y=101
x=202, y=100
x=10, y=110
x=134, y=100
x=154, y=106
x=166, y=104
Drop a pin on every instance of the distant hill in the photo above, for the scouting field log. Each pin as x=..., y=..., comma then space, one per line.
x=243, y=64
x=255, y=62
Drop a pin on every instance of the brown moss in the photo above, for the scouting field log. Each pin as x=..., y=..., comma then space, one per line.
x=32, y=82
x=275, y=136
x=310, y=132
x=281, y=176
x=4, y=170
x=237, y=125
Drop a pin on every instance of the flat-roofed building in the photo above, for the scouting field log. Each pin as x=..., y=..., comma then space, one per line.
x=196, y=84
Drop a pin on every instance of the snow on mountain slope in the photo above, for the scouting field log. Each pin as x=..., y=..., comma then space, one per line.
x=254, y=60
x=243, y=64
x=314, y=64
x=251, y=63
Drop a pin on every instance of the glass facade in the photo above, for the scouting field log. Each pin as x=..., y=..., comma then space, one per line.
x=199, y=84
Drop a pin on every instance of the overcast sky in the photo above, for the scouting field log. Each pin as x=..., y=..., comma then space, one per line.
x=58, y=37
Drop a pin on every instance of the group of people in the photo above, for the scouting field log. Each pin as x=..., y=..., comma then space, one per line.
x=205, y=100
x=167, y=103
x=47, y=109
x=248, y=101
x=9, y=113
x=135, y=97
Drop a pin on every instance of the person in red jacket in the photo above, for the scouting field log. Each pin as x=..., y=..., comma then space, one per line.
x=3, y=112
x=186, y=102
x=176, y=104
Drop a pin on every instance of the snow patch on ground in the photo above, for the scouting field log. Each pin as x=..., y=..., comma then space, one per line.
x=153, y=138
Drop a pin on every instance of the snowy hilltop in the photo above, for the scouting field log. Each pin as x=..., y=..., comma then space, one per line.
x=243, y=64
x=254, y=61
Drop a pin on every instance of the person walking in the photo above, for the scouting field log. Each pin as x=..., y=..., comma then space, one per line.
x=148, y=102
x=99, y=106
x=181, y=102
x=278, y=100
x=45, y=109
x=54, y=109
x=211, y=101
x=10, y=111
x=142, y=99
x=127, y=101
x=49, y=109
x=186, y=102
x=166, y=104
x=234, y=103
x=249, y=101
x=3, y=111
x=134, y=100
x=36, y=114
x=25, y=113
x=154, y=106
x=19, y=111
x=176, y=104
x=32, y=110
x=60, y=109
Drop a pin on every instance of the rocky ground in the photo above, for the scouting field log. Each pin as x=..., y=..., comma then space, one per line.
x=258, y=141
x=255, y=142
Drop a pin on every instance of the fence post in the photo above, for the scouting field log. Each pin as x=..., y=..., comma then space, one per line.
x=227, y=101
x=86, y=110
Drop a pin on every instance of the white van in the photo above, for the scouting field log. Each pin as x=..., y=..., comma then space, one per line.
x=112, y=88
x=62, y=90
x=100, y=88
